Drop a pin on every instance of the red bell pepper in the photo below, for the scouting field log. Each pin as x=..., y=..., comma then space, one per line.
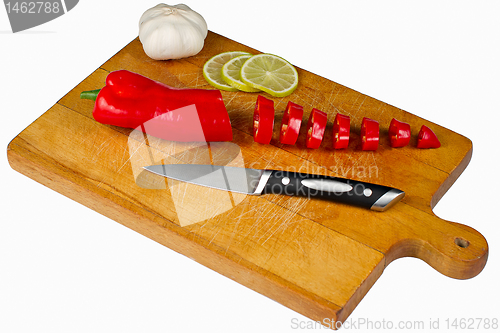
x=399, y=133
x=341, y=131
x=369, y=134
x=290, y=125
x=316, y=128
x=263, y=120
x=427, y=138
x=133, y=101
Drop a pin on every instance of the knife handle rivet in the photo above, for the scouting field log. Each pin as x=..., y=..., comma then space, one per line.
x=285, y=181
x=367, y=192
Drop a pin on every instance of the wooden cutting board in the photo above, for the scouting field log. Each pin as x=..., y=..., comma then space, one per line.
x=315, y=257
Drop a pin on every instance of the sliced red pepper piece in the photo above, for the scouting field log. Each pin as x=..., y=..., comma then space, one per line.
x=427, y=138
x=316, y=128
x=133, y=101
x=369, y=134
x=263, y=120
x=399, y=133
x=290, y=125
x=341, y=131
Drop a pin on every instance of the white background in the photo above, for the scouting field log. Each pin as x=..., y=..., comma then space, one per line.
x=65, y=268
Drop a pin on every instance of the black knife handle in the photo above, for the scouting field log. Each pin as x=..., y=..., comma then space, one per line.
x=372, y=196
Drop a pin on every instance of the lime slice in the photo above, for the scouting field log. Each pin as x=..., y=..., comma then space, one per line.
x=231, y=73
x=270, y=73
x=213, y=67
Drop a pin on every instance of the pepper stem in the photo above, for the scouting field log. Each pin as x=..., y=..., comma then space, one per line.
x=90, y=94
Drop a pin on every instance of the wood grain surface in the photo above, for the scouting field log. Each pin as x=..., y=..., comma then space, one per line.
x=314, y=257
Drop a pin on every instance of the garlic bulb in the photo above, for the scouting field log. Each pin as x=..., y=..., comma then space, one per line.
x=172, y=32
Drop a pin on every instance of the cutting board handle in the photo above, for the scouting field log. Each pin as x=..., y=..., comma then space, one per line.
x=453, y=249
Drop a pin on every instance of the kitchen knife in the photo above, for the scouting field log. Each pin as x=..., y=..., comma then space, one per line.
x=256, y=182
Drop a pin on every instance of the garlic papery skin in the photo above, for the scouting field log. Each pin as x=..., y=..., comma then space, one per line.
x=172, y=32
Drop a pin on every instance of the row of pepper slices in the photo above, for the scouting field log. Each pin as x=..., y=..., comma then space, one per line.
x=399, y=132
x=132, y=100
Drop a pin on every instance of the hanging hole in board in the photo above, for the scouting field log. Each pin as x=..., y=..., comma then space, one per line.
x=463, y=243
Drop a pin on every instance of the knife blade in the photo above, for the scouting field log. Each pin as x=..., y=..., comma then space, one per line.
x=265, y=181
